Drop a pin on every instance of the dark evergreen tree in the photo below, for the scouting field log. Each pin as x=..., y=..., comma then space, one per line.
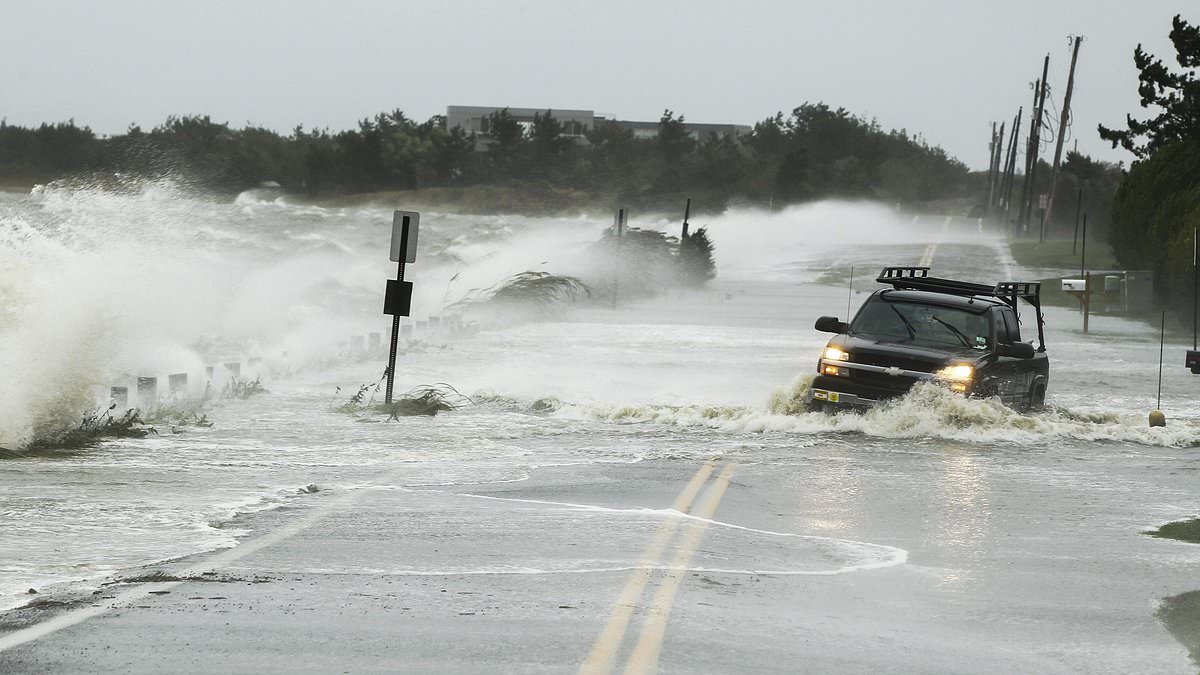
x=548, y=147
x=504, y=137
x=696, y=259
x=1176, y=94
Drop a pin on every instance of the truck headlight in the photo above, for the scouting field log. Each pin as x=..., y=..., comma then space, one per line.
x=835, y=354
x=959, y=373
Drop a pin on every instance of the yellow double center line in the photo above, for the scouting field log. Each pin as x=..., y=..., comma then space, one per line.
x=927, y=259
x=644, y=657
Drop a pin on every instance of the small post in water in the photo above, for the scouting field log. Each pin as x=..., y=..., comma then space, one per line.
x=1157, y=418
x=619, y=225
x=1193, y=356
x=1087, y=299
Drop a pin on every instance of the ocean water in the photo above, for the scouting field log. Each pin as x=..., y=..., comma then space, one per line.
x=99, y=287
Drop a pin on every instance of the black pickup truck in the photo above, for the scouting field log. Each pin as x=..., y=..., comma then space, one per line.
x=964, y=335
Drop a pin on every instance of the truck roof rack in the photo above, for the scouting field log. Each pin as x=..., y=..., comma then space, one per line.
x=918, y=279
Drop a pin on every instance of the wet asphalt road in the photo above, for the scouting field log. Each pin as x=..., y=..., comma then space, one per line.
x=529, y=576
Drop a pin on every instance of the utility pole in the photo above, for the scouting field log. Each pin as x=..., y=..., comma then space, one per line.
x=995, y=170
x=1031, y=155
x=1011, y=167
x=991, y=168
x=999, y=162
x=1063, y=121
x=1037, y=141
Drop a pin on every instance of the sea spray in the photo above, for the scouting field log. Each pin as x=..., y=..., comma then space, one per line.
x=792, y=399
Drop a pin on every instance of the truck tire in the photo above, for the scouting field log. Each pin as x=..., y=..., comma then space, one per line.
x=1037, y=396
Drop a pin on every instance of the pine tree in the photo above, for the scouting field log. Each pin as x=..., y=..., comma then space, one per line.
x=1176, y=94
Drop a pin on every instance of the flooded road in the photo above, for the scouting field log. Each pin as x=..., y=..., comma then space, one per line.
x=629, y=488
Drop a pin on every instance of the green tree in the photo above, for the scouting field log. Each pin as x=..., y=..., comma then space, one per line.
x=674, y=146
x=321, y=163
x=548, y=147
x=615, y=162
x=1155, y=212
x=197, y=150
x=696, y=264
x=1157, y=206
x=1177, y=95
x=1089, y=185
x=505, y=137
x=450, y=151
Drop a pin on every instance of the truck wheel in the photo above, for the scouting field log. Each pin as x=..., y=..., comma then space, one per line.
x=1037, y=396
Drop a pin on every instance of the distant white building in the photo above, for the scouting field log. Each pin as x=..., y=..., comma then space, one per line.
x=474, y=119
x=576, y=123
x=698, y=132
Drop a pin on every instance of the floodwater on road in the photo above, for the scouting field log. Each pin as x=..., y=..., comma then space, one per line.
x=934, y=534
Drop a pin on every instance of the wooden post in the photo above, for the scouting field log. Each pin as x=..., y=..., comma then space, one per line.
x=1011, y=170
x=1031, y=154
x=995, y=201
x=1063, y=121
x=619, y=226
x=1037, y=143
x=992, y=168
x=119, y=396
x=1086, y=299
x=1078, y=205
x=1083, y=253
x=147, y=391
x=1030, y=158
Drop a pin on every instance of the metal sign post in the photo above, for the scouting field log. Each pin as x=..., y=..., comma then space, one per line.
x=397, y=299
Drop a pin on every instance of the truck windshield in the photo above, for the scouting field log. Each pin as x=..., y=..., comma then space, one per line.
x=923, y=324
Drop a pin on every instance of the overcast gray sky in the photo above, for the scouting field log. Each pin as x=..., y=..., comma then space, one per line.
x=944, y=69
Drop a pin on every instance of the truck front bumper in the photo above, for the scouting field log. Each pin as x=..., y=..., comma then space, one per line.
x=840, y=399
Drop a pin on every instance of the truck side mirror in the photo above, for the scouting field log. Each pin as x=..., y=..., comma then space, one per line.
x=830, y=324
x=1018, y=350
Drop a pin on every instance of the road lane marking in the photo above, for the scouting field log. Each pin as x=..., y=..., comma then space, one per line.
x=927, y=259
x=600, y=659
x=644, y=658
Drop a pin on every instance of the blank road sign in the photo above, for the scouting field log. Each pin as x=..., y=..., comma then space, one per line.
x=404, y=235
x=397, y=299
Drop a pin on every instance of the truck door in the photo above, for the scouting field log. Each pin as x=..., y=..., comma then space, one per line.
x=1015, y=375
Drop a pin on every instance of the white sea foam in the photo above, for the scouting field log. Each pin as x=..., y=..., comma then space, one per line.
x=929, y=411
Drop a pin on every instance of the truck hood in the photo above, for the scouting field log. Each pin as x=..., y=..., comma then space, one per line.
x=867, y=350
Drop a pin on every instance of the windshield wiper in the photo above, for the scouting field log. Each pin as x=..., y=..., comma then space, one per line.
x=957, y=333
x=912, y=334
